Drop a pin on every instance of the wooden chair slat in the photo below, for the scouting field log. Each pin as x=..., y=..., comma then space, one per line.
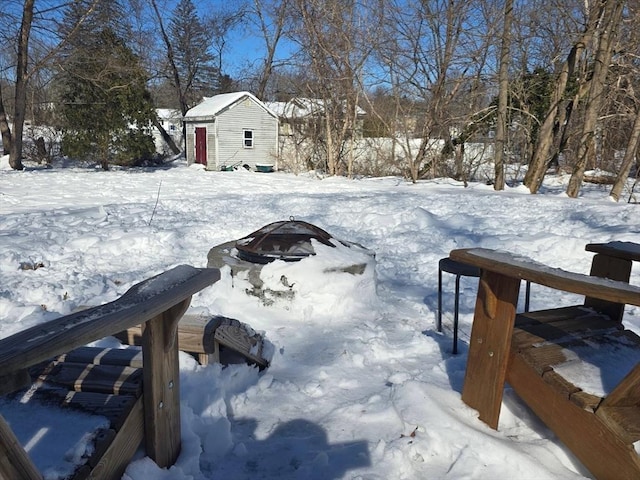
x=109, y=379
x=131, y=357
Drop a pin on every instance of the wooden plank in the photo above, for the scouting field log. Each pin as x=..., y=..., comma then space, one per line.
x=525, y=269
x=489, y=345
x=102, y=442
x=624, y=250
x=616, y=269
x=563, y=387
x=112, y=464
x=542, y=358
x=234, y=335
x=566, y=319
x=113, y=407
x=627, y=392
x=605, y=266
x=15, y=381
x=196, y=333
x=96, y=378
x=523, y=339
x=586, y=401
x=597, y=446
x=202, y=335
x=162, y=387
x=140, y=303
x=553, y=315
x=130, y=357
x=15, y=464
x=625, y=421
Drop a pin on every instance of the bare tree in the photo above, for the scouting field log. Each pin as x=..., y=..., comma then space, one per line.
x=5, y=131
x=435, y=51
x=607, y=29
x=272, y=19
x=334, y=36
x=503, y=95
x=627, y=107
x=630, y=153
x=548, y=130
x=15, y=147
x=23, y=73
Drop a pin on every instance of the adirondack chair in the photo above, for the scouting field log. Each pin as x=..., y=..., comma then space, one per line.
x=157, y=303
x=532, y=352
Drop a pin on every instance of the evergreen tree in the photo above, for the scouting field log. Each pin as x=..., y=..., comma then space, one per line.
x=198, y=74
x=106, y=108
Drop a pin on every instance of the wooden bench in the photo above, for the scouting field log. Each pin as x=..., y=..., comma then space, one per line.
x=139, y=396
x=207, y=337
x=536, y=353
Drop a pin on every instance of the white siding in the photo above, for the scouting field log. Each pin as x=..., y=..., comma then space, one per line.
x=190, y=152
x=225, y=135
x=211, y=147
x=246, y=115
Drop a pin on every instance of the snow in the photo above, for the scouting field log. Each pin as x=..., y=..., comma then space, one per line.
x=211, y=106
x=361, y=385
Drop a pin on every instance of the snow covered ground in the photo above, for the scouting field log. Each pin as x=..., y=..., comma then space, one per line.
x=361, y=385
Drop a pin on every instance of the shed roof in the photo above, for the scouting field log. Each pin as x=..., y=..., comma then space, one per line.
x=210, y=107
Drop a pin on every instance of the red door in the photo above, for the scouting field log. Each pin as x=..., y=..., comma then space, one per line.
x=201, y=145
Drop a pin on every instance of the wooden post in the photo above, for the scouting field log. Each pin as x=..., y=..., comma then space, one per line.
x=161, y=386
x=607, y=266
x=15, y=464
x=490, y=343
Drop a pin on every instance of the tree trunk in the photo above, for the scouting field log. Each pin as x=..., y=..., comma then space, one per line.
x=165, y=136
x=331, y=157
x=5, y=131
x=174, y=69
x=503, y=96
x=586, y=150
x=627, y=160
x=15, y=150
x=540, y=160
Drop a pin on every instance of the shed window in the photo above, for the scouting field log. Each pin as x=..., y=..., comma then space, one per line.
x=247, y=138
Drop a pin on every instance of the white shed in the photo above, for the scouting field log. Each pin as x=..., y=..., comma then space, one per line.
x=232, y=129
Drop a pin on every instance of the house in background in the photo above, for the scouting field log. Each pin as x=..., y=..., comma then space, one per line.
x=232, y=129
x=171, y=121
x=305, y=116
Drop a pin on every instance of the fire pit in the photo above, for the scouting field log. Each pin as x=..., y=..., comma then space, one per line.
x=288, y=241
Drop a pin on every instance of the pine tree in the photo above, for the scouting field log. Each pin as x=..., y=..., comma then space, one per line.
x=106, y=108
x=195, y=65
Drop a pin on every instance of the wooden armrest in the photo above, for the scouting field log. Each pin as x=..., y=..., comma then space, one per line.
x=523, y=268
x=139, y=304
x=623, y=250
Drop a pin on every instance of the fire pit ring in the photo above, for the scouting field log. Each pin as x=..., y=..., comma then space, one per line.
x=287, y=240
